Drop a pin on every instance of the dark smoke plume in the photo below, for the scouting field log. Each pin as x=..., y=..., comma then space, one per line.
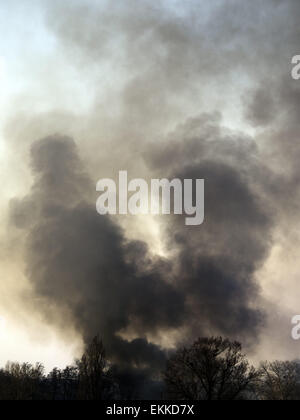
x=81, y=263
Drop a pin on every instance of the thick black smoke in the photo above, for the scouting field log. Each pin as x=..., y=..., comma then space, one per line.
x=81, y=264
x=216, y=263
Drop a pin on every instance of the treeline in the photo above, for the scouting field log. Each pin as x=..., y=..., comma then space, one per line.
x=90, y=378
x=211, y=369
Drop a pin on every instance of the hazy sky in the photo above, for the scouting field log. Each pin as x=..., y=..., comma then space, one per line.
x=125, y=80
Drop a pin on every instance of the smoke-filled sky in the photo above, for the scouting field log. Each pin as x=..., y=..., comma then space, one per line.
x=163, y=89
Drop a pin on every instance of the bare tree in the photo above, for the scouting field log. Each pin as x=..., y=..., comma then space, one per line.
x=70, y=382
x=280, y=381
x=23, y=381
x=95, y=380
x=54, y=381
x=63, y=384
x=211, y=369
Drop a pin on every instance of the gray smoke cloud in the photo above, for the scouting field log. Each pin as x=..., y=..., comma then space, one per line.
x=217, y=263
x=84, y=266
x=106, y=280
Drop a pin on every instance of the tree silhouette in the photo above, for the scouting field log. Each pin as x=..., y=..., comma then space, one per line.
x=22, y=382
x=95, y=374
x=280, y=381
x=211, y=369
x=89, y=379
